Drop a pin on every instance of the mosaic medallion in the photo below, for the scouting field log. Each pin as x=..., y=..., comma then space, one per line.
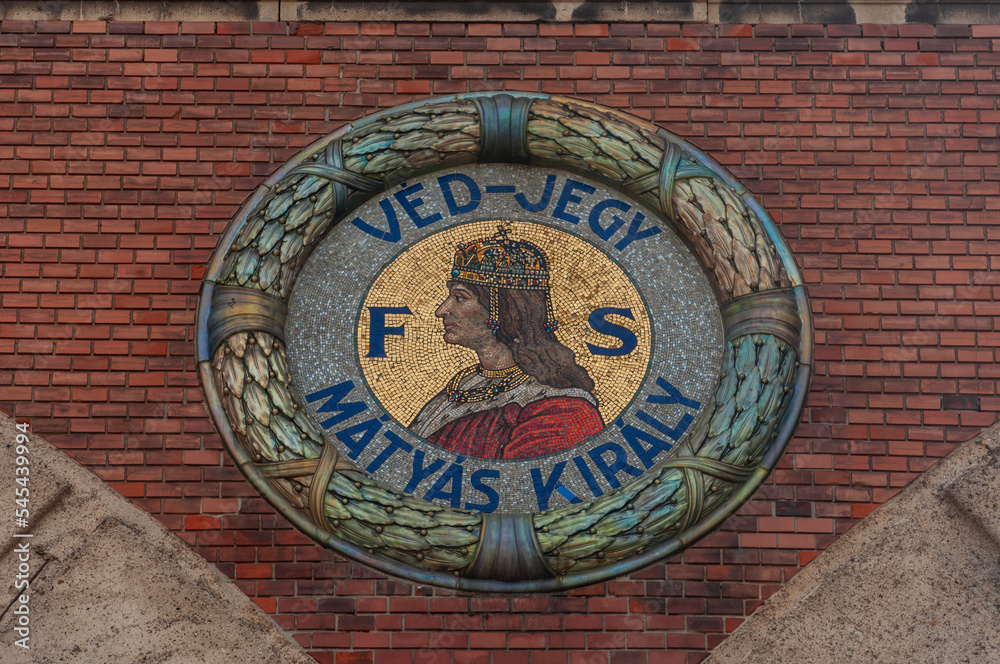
x=504, y=342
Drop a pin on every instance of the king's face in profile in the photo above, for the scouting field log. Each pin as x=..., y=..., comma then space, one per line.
x=527, y=396
x=464, y=318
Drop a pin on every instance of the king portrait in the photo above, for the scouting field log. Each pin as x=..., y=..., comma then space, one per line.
x=526, y=396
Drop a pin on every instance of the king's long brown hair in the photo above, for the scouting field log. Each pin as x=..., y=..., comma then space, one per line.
x=522, y=317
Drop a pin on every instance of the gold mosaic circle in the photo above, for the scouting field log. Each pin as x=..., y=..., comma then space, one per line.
x=418, y=364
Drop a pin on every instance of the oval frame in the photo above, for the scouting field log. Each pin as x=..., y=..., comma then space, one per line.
x=729, y=450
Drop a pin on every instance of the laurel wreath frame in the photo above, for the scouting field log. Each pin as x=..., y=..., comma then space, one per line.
x=730, y=449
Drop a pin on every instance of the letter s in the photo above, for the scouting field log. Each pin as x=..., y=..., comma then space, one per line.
x=479, y=484
x=601, y=325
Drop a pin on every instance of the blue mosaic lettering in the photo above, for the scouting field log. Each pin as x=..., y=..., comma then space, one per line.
x=588, y=477
x=673, y=432
x=598, y=322
x=395, y=443
x=544, y=490
x=333, y=395
x=634, y=233
x=673, y=395
x=567, y=494
x=647, y=455
x=368, y=430
x=451, y=477
x=619, y=464
x=569, y=196
x=410, y=205
x=392, y=235
x=478, y=483
x=605, y=232
x=419, y=472
x=377, y=330
x=475, y=195
x=543, y=202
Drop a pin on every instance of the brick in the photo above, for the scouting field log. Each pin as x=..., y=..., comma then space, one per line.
x=126, y=146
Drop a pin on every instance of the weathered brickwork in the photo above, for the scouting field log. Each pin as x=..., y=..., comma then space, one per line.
x=126, y=147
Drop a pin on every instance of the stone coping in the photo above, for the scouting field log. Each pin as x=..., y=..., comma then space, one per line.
x=109, y=583
x=915, y=581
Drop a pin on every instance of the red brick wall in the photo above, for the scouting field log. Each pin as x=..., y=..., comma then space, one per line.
x=126, y=147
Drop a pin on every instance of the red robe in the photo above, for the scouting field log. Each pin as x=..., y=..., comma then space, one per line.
x=540, y=428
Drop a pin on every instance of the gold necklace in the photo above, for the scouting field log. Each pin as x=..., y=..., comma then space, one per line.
x=510, y=378
x=499, y=373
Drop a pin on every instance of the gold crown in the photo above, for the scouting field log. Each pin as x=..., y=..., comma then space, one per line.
x=501, y=262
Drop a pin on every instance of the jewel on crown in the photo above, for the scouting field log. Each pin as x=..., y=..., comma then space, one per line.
x=498, y=262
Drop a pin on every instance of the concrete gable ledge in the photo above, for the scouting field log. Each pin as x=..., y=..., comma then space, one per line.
x=890, y=12
x=109, y=583
x=917, y=580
